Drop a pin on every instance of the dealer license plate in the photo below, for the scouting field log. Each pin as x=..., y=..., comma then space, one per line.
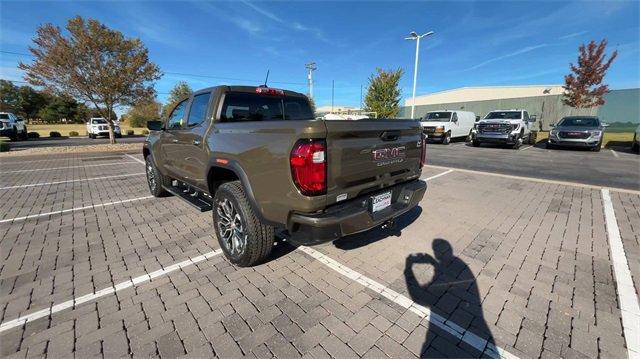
x=380, y=202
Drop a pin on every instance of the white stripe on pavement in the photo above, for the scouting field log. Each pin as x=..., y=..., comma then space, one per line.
x=65, y=168
x=105, y=291
x=438, y=175
x=615, y=154
x=135, y=158
x=73, y=209
x=526, y=148
x=629, y=308
x=64, y=159
x=455, y=330
x=69, y=181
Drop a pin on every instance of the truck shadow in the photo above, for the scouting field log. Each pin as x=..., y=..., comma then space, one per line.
x=451, y=294
x=365, y=238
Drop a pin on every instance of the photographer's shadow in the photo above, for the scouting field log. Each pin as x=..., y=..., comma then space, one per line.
x=452, y=279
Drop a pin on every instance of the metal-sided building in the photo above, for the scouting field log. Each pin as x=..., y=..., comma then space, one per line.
x=544, y=101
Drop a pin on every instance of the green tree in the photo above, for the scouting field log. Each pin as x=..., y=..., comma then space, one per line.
x=9, y=96
x=583, y=87
x=383, y=95
x=31, y=102
x=93, y=64
x=59, y=108
x=140, y=113
x=177, y=93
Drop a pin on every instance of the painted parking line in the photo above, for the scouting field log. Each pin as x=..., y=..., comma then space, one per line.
x=76, y=301
x=629, y=308
x=526, y=148
x=438, y=175
x=481, y=344
x=91, y=206
x=65, y=168
x=64, y=159
x=615, y=154
x=70, y=181
x=135, y=158
x=541, y=180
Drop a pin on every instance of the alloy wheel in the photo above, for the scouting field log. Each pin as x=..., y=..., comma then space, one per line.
x=151, y=176
x=230, y=228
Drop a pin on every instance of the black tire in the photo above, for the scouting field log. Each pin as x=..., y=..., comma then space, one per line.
x=518, y=143
x=118, y=135
x=635, y=147
x=92, y=136
x=549, y=146
x=25, y=134
x=597, y=147
x=475, y=143
x=258, y=237
x=447, y=138
x=155, y=179
x=13, y=136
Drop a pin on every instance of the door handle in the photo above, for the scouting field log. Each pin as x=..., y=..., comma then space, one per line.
x=174, y=141
x=196, y=142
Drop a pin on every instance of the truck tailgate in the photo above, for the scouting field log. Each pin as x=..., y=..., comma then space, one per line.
x=364, y=156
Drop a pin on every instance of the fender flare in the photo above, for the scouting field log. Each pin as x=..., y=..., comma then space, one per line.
x=235, y=167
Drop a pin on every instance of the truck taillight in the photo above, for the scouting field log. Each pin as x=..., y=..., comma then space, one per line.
x=309, y=166
x=423, y=154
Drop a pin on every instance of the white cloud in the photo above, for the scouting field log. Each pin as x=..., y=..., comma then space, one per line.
x=574, y=34
x=521, y=51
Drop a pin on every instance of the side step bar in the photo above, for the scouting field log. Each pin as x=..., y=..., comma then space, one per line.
x=195, y=198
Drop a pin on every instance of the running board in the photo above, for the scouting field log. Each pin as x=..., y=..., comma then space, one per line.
x=197, y=200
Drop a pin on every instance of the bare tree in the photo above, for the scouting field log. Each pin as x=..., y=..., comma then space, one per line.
x=93, y=64
x=583, y=87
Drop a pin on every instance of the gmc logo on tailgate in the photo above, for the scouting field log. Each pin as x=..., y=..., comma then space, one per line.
x=388, y=155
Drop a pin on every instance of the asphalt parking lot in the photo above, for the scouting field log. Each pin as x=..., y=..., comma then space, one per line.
x=488, y=265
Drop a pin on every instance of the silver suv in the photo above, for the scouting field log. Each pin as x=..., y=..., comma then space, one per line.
x=577, y=131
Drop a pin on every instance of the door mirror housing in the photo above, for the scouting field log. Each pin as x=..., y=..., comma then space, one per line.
x=532, y=118
x=154, y=125
x=552, y=125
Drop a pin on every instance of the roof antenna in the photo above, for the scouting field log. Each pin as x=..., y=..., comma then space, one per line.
x=265, y=80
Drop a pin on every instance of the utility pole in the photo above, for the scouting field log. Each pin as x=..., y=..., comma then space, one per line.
x=310, y=68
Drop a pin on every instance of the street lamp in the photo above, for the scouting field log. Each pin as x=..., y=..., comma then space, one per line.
x=414, y=36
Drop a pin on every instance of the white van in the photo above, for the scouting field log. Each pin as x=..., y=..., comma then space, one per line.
x=445, y=125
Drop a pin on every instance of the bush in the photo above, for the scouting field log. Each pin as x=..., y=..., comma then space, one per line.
x=33, y=135
x=54, y=134
x=73, y=133
x=4, y=147
x=145, y=132
x=129, y=132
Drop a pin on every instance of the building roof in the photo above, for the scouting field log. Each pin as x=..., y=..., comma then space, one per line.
x=481, y=93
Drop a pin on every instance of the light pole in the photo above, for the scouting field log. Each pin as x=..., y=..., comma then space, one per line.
x=414, y=36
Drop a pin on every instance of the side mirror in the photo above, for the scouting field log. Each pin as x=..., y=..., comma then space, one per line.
x=552, y=125
x=532, y=118
x=154, y=125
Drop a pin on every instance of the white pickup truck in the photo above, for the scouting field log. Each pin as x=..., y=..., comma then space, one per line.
x=12, y=126
x=509, y=127
x=98, y=126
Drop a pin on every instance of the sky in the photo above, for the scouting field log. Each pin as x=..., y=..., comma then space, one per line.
x=476, y=43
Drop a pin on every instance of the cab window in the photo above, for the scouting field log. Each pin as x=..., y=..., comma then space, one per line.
x=176, y=119
x=455, y=117
x=526, y=116
x=198, y=111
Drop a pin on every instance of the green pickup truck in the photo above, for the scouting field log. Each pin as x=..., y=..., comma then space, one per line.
x=258, y=158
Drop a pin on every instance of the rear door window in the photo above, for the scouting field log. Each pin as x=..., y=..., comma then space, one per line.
x=198, y=111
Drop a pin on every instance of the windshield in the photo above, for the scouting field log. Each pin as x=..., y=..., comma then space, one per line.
x=437, y=116
x=99, y=121
x=507, y=115
x=579, y=122
x=4, y=116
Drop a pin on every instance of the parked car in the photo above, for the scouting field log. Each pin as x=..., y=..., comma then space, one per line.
x=635, y=145
x=445, y=125
x=577, y=131
x=98, y=126
x=509, y=127
x=13, y=127
x=263, y=164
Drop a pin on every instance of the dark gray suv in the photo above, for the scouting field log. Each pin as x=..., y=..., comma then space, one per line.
x=577, y=131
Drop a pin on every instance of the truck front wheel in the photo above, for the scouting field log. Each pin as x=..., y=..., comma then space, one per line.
x=155, y=179
x=244, y=239
x=447, y=138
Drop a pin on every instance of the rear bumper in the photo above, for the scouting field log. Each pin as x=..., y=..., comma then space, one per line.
x=354, y=216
